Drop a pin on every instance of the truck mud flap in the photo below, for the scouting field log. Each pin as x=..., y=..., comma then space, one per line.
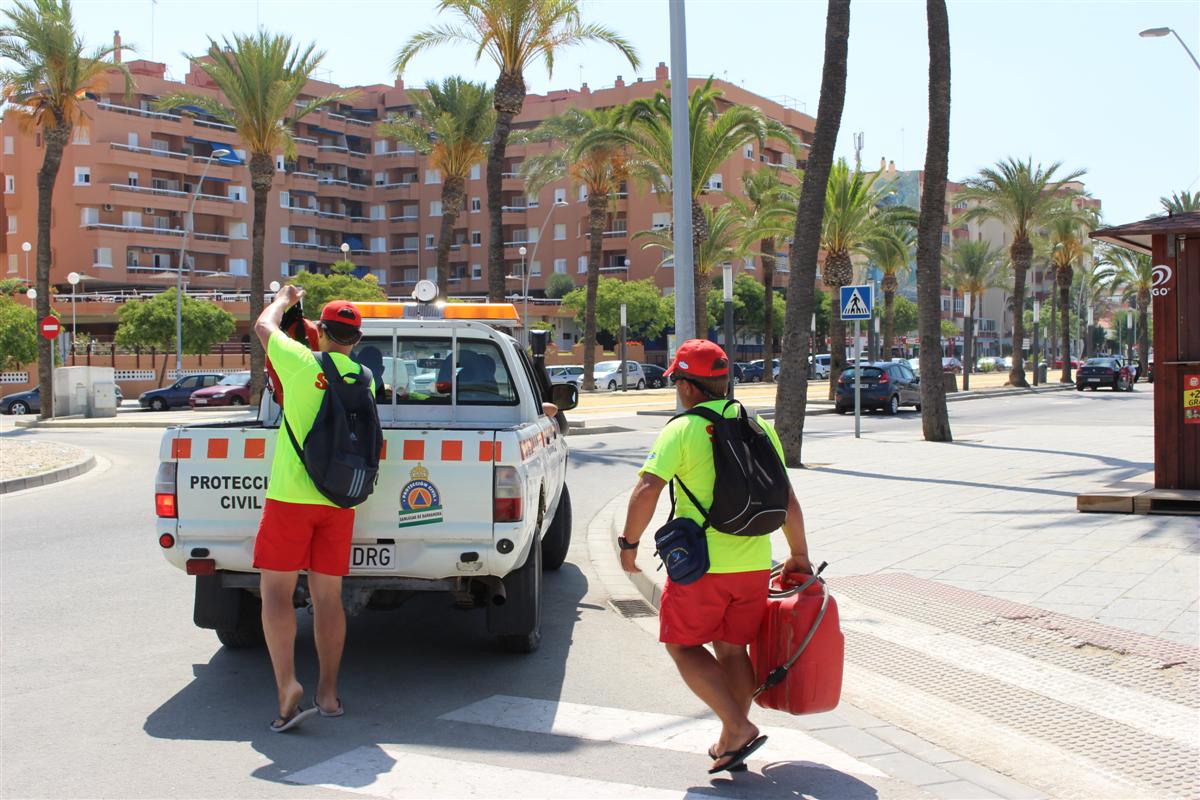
x=217, y=607
x=521, y=611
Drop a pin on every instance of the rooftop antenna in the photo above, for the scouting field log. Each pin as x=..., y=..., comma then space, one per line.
x=902, y=148
x=153, y=3
x=581, y=76
x=858, y=146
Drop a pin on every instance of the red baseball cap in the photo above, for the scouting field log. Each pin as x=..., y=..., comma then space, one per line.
x=342, y=311
x=700, y=358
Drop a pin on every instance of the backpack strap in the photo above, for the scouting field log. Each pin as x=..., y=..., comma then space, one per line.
x=332, y=376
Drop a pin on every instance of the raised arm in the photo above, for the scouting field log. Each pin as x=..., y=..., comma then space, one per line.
x=268, y=322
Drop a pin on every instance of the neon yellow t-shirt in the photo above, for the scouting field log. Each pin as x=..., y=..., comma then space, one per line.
x=684, y=450
x=304, y=384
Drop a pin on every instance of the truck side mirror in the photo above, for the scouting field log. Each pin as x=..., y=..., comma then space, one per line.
x=565, y=396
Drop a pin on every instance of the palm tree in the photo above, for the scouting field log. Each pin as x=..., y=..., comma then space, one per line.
x=892, y=256
x=791, y=399
x=1131, y=275
x=723, y=243
x=587, y=155
x=46, y=86
x=513, y=34
x=451, y=126
x=855, y=218
x=972, y=267
x=766, y=212
x=262, y=78
x=1024, y=197
x=1064, y=247
x=715, y=135
x=1179, y=202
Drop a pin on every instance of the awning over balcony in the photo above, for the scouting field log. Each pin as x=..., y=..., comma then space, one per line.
x=230, y=160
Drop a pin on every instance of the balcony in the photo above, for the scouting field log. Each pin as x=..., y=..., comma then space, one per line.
x=395, y=153
x=137, y=112
x=400, y=250
x=121, y=187
x=404, y=218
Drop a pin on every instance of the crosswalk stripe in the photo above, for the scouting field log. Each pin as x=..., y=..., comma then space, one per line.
x=647, y=729
x=1104, y=699
x=391, y=772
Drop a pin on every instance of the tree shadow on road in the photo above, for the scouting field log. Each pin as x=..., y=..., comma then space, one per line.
x=1111, y=461
x=948, y=482
x=402, y=669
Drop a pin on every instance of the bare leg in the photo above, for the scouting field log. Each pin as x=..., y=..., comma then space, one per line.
x=705, y=677
x=279, y=628
x=739, y=672
x=329, y=631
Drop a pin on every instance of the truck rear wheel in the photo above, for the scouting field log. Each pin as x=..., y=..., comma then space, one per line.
x=557, y=540
x=248, y=631
x=519, y=621
x=235, y=614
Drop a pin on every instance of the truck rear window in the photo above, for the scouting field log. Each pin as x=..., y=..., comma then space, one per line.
x=421, y=371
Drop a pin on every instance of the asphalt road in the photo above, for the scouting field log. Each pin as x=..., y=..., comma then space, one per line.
x=109, y=691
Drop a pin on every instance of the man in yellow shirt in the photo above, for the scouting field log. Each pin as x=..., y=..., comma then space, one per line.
x=725, y=607
x=300, y=528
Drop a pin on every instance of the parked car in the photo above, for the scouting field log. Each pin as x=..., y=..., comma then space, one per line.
x=656, y=376
x=995, y=363
x=232, y=390
x=176, y=395
x=566, y=374
x=21, y=402
x=1106, y=371
x=753, y=372
x=608, y=375
x=1076, y=363
x=821, y=365
x=1132, y=364
x=952, y=364
x=885, y=385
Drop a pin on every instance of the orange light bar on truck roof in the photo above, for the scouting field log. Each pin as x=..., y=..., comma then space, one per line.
x=484, y=312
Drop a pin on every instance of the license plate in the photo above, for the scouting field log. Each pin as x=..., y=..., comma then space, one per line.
x=1093, y=380
x=372, y=556
x=201, y=401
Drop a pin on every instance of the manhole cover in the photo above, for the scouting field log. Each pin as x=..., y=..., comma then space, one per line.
x=634, y=608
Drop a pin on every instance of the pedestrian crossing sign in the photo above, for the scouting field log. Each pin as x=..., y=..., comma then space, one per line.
x=857, y=301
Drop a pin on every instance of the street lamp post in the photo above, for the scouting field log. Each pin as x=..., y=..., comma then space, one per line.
x=967, y=331
x=812, y=350
x=730, y=345
x=26, y=246
x=624, y=365
x=187, y=226
x=1155, y=33
x=1129, y=335
x=1037, y=311
x=525, y=296
x=533, y=257
x=1087, y=344
x=73, y=278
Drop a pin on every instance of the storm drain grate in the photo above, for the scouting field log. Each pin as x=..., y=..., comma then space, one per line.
x=634, y=608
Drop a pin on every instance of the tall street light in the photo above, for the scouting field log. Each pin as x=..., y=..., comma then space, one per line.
x=187, y=226
x=727, y=296
x=1156, y=33
x=26, y=246
x=74, y=278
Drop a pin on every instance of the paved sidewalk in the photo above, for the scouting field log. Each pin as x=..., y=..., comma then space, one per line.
x=986, y=617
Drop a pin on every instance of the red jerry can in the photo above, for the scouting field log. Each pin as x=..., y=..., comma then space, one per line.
x=799, y=651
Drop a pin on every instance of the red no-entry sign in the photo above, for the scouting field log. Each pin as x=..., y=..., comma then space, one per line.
x=50, y=327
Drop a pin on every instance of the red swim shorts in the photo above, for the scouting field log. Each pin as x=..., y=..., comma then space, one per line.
x=300, y=536
x=720, y=607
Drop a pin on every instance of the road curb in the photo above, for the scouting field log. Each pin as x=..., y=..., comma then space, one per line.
x=50, y=476
x=605, y=556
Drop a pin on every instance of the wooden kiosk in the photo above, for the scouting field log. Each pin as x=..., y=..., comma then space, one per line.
x=1173, y=243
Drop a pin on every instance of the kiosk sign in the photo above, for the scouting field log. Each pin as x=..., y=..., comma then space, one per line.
x=1191, y=399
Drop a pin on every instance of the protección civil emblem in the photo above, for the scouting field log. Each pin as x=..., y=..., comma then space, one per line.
x=420, y=503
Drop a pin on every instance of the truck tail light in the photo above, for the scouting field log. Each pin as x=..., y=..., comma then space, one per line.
x=164, y=491
x=166, y=541
x=508, y=495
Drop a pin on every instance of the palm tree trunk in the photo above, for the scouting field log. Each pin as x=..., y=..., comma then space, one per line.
x=56, y=139
x=889, y=320
x=1143, y=332
x=935, y=421
x=768, y=278
x=703, y=279
x=1021, y=252
x=791, y=400
x=509, y=99
x=597, y=217
x=262, y=174
x=453, y=194
x=1064, y=309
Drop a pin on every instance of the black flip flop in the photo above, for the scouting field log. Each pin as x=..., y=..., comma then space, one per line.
x=737, y=758
x=738, y=768
x=292, y=720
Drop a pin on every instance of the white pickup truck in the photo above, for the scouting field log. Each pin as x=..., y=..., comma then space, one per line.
x=471, y=498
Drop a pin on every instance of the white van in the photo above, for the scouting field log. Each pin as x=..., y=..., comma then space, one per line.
x=821, y=365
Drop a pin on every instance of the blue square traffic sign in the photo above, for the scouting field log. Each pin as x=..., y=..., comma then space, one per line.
x=856, y=301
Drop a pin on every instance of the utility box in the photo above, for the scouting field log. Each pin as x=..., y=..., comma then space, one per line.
x=85, y=391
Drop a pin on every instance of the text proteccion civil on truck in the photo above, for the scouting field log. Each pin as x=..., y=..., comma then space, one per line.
x=471, y=498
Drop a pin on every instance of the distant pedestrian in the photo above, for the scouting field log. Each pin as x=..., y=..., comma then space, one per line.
x=725, y=607
x=301, y=529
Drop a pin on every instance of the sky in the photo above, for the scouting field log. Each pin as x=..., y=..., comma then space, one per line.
x=1067, y=81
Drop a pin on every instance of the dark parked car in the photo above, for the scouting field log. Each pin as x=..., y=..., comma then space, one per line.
x=885, y=385
x=1108, y=372
x=232, y=390
x=655, y=375
x=21, y=402
x=176, y=395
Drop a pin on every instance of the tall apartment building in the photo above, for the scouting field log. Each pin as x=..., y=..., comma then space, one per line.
x=127, y=180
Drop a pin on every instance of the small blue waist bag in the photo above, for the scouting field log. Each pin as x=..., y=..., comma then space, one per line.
x=682, y=545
